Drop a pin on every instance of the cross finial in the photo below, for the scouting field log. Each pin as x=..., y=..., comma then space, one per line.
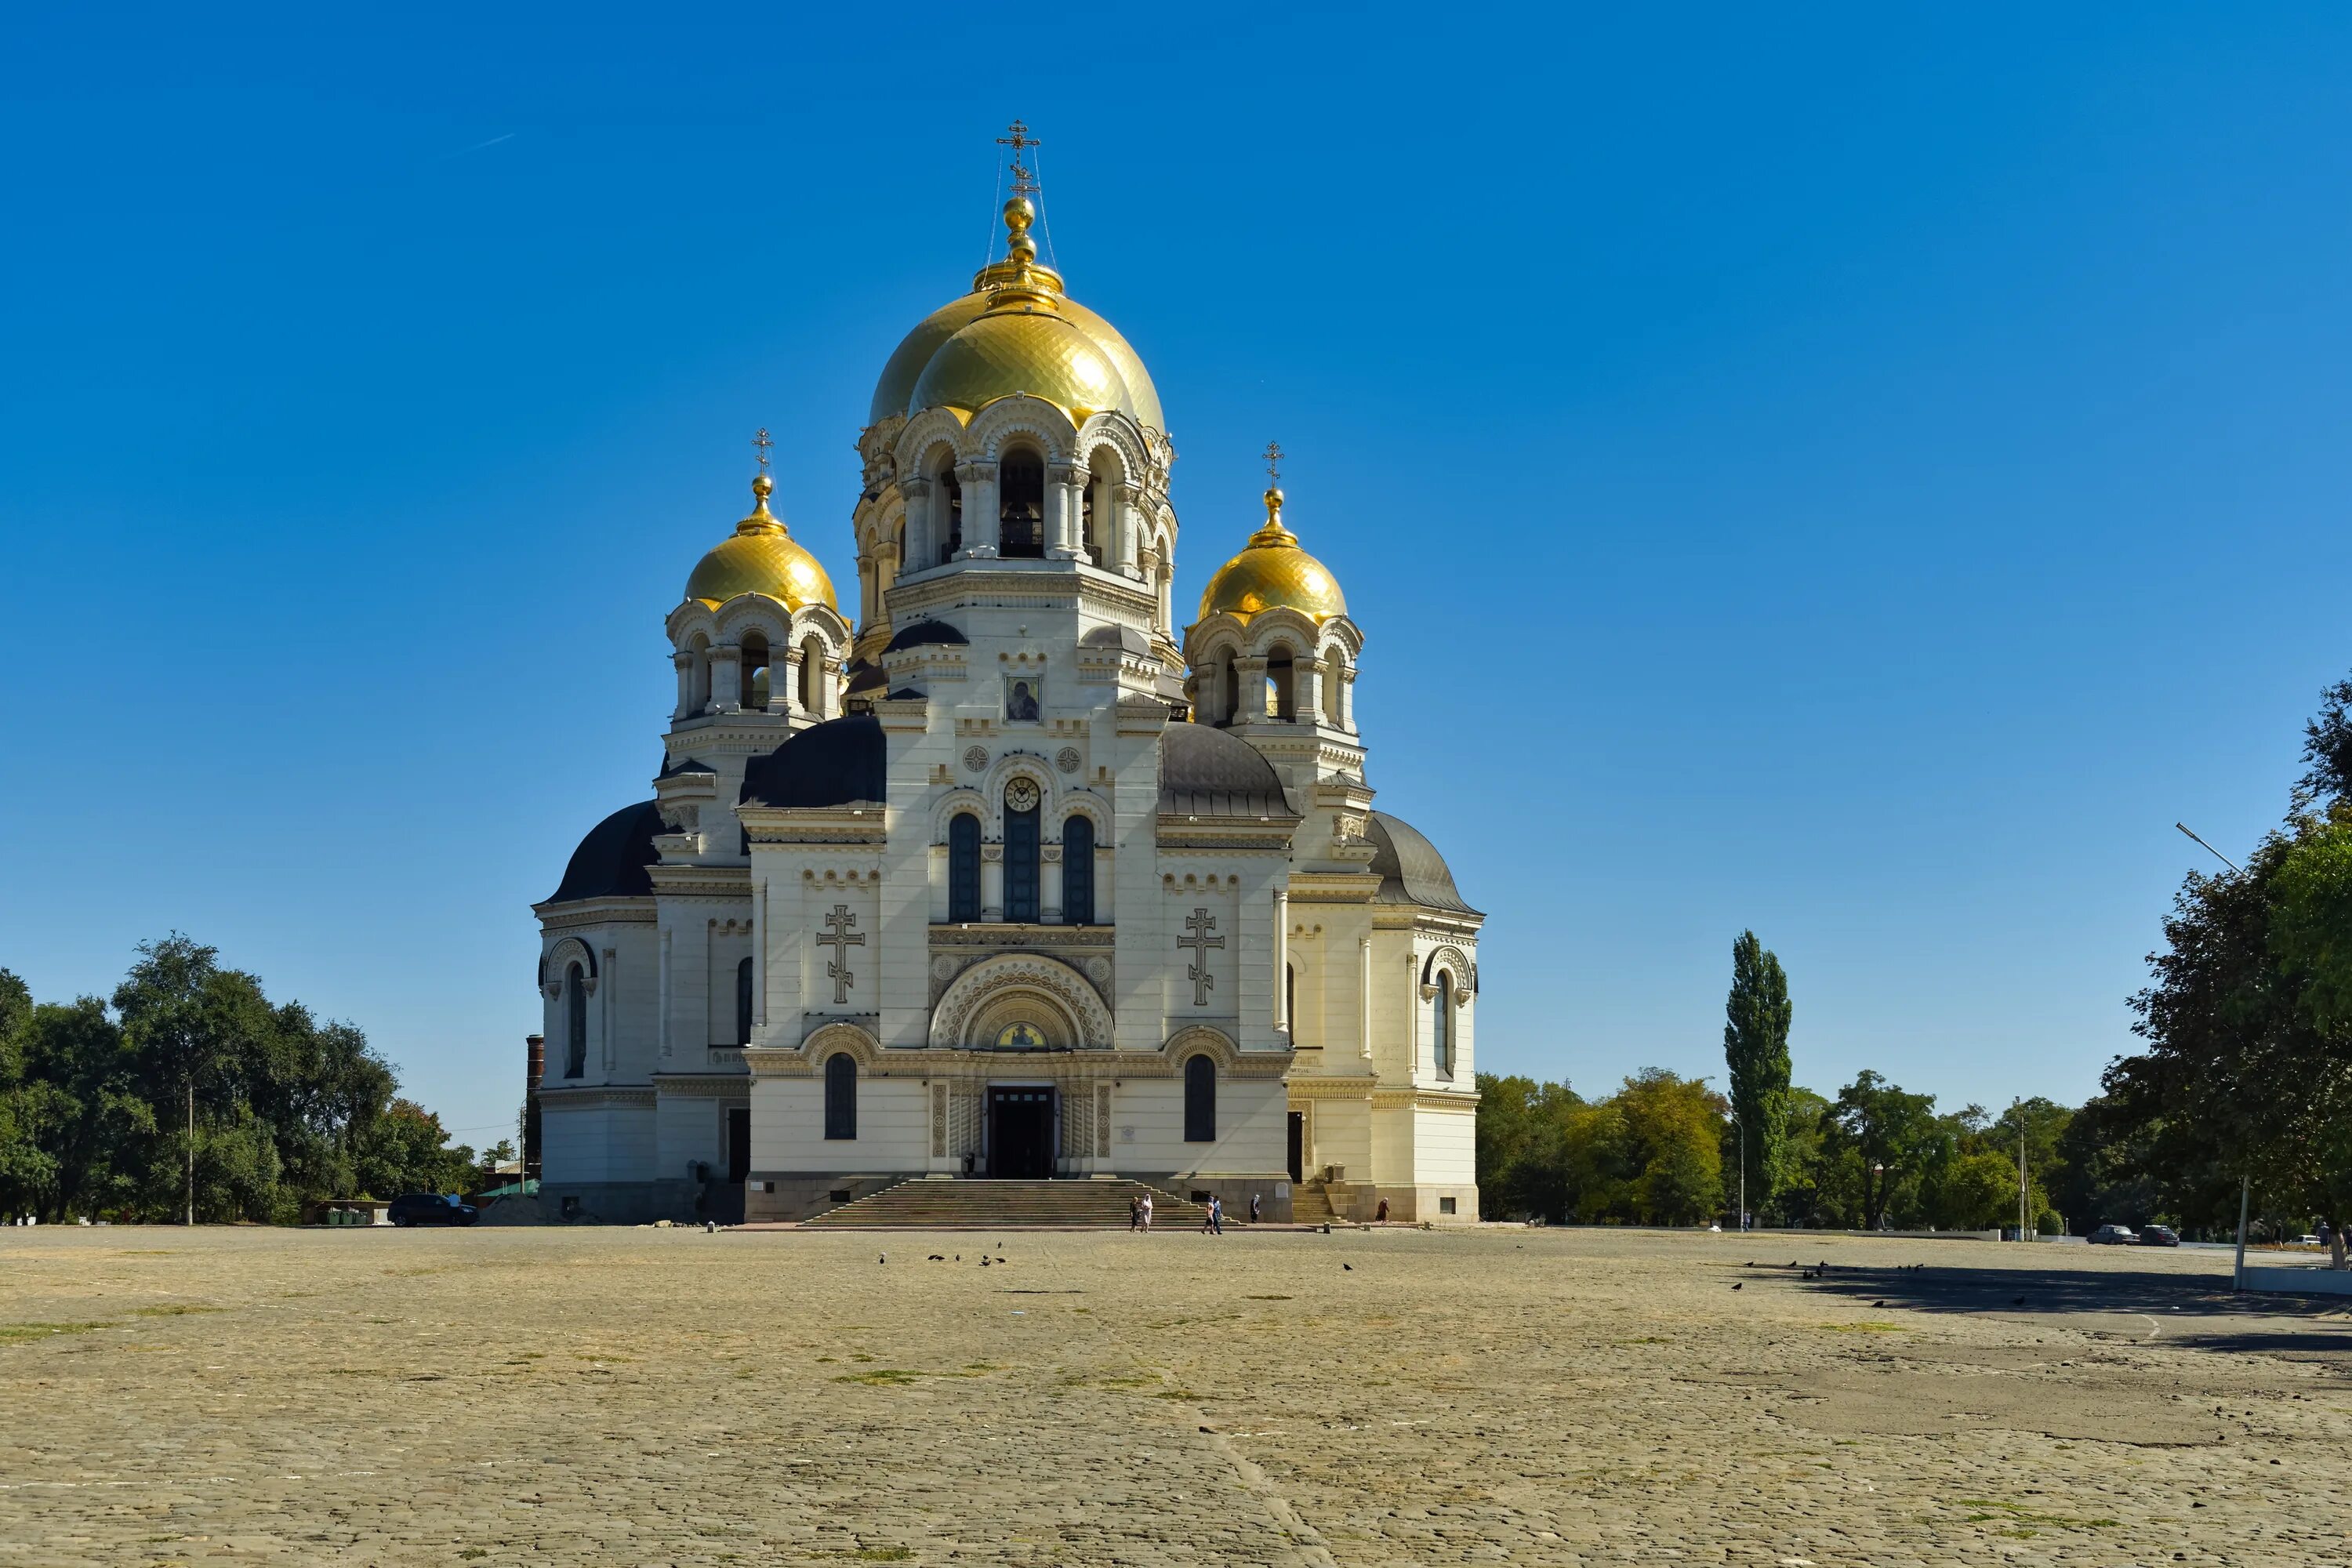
x=1274, y=462
x=759, y=444
x=1017, y=137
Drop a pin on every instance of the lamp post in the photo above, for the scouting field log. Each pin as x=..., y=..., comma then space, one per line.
x=1878, y=1180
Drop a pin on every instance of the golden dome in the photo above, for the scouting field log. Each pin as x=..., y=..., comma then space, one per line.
x=1273, y=573
x=761, y=557
x=1016, y=331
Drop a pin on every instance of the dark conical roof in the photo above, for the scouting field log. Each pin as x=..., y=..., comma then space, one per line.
x=1208, y=773
x=1411, y=871
x=832, y=763
x=612, y=861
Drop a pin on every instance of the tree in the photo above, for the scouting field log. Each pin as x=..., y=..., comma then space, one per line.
x=1522, y=1154
x=2311, y=922
x=1756, y=1050
x=1878, y=1133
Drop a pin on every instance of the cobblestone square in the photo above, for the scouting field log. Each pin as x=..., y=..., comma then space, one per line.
x=668, y=1396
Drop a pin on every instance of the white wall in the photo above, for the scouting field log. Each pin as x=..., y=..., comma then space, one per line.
x=788, y=1127
x=596, y=1144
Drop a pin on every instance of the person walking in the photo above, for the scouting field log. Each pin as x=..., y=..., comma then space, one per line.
x=1134, y=1213
x=1253, y=1208
x=1146, y=1207
x=1213, y=1222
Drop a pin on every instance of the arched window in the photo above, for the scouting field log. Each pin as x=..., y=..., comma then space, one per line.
x=1229, y=697
x=812, y=677
x=1089, y=530
x=1281, y=689
x=1440, y=1034
x=743, y=1003
x=1079, y=872
x=1200, y=1101
x=575, y=1022
x=1021, y=852
x=840, y=1098
x=1021, y=510
x=963, y=867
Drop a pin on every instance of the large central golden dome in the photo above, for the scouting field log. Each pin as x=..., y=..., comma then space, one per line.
x=761, y=557
x=1016, y=331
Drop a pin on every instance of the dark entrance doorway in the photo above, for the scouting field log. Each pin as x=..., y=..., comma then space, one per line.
x=739, y=1141
x=1020, y=1133
x=1298, y=1145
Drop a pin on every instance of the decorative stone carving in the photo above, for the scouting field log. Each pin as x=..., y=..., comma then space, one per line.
x=1015, y=988
x=975, y=758
x=1066, y=759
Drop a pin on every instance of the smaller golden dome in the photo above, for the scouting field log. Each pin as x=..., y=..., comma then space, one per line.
x=1273, y=573
x=761, y=557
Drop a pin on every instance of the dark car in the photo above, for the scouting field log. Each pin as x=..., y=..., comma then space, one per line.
x=2159, y=1235
x=432, y=1208
x=2113, y=1236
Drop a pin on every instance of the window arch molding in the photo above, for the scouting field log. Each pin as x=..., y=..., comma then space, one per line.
x=1452, y=960
x=1002, y=771
x=962, y=800
x=828, y=1038
x=1004, y=421
x=1283, y=627
x=1200, y=1039
x=1081, y=804
x=566, y=950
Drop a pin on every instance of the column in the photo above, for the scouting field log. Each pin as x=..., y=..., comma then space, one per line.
x=683, y=662
x=980, y=523
x=1062, y=512
x=726, y=680
x=1412, y=1012
x=921, y=548
x=991, y=882
x=1282, y=961
x=1249, y=691
x=1049, y=884
x=1120, y=530
x=1307, y=690
x=1364, y=998
x=760, y=959
x=662, y=1026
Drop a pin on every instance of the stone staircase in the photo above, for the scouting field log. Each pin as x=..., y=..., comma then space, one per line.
x=1309, y=1203
x=969, y=1204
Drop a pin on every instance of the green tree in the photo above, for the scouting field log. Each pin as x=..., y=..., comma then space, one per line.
x=1756, y=1050
x=2311, y=923
x=1878, y=1134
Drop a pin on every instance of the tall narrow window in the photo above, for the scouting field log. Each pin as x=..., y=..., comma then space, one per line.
x=1281, y=701
x=1229, y=697
x=840, y=1098
x=1020, y=851
x=1200, y=1101
x=1021, y=516
x=1440, y=1035
x=963, y=867
x=757, y=680
x=1079, y=872
x=743, y=1003
x=951, y=503
x=575, y=1022
x=1089, y=531
x=1290, y=999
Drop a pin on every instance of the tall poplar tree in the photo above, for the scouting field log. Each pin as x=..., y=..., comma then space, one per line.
x=1756, y=1050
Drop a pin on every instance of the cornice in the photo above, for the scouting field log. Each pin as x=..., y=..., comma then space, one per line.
x=701, y=881
x=573, y=913
x=943, y=1061
x=601, y=1094
x=1424, y=1098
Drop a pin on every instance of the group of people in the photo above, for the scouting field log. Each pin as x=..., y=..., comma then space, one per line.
x=1139, y=1213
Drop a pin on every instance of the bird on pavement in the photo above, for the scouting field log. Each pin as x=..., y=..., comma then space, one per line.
x=1734, y=1286
x=1348, y=1267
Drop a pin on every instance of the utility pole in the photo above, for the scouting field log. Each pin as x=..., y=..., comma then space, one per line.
x=2017, y=1108
x=192, y=1151
x=1742, y=1125
x=2245, y=1200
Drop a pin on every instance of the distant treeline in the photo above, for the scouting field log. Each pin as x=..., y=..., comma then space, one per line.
x=2245, y=1077
x=94, y=1099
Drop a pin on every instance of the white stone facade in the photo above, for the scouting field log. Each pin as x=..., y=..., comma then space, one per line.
x=992, y=883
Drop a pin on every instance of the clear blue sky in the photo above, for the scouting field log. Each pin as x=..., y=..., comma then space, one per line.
x=1853, y=474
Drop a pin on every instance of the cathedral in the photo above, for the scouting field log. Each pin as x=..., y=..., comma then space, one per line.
x=1001, y=872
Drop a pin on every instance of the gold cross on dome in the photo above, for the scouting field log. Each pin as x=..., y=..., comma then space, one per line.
x=1017, y=137
x=759, y=444
x=1274, y=462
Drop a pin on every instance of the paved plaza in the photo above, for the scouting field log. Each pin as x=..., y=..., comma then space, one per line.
x=630, y=1396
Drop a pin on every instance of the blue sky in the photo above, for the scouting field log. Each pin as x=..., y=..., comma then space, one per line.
x=1856, y=474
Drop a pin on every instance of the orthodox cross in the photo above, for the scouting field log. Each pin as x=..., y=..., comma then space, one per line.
x=1017, y=137
x=759, y=444
x=1274, y=456
x=839, y=937
x=1197, y=926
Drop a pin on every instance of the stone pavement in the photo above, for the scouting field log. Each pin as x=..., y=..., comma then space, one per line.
x=665, y=1397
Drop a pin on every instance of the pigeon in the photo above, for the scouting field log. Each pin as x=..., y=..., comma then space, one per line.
x=1878, y=1303
x=1792, y=1263
x=1348, y=1267
x=1751, y=1263
x=937, y=1258
x=884, y=1258
x=1734, y=1286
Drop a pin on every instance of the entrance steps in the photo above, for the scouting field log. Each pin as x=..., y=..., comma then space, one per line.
x=1310, y=1204
x=981, y=1204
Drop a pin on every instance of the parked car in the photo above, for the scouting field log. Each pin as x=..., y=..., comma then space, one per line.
x=2113, y=1236
x=2308, y=1241
x=2159, y=1235
x=432, y=1208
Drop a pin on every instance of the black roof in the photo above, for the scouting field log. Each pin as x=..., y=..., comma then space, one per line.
x=611, y=862
x=1411, y=871
x=926, y=632
x=1207, y=772
x=687, y=766
x=832, y=764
